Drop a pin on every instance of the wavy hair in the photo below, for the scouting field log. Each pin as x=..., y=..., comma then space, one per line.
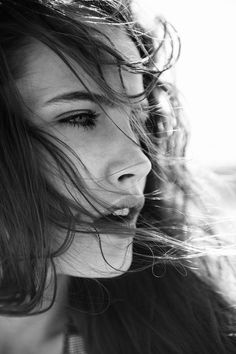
x=174, y=310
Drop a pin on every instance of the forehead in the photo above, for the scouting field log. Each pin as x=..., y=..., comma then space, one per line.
x=46, y=73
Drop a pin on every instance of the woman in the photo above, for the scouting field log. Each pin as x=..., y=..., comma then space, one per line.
x=95, y=256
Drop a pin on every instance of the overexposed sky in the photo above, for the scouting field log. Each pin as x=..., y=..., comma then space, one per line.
x=206, y=72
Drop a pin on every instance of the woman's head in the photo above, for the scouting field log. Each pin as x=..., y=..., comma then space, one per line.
x=111, y=165
x=79, y=127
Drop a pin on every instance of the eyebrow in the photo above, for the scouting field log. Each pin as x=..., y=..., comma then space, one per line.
x=82, y=96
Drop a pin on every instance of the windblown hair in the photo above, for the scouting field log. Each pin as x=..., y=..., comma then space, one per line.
x=174, y=310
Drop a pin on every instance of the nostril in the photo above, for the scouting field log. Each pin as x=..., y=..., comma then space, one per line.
x=123, y=177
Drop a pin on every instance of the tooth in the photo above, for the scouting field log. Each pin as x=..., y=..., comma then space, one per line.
x=121, y=212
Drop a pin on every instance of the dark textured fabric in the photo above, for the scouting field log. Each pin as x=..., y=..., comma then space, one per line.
x=74, y=344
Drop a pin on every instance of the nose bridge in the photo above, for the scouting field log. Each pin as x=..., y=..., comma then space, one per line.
x=130, y=163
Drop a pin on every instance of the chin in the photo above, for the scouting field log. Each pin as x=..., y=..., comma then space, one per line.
x=119, y=264
x=117, y=252
x=118, y=259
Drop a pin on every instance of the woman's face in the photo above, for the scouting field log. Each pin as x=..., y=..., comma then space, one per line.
x=116, y=167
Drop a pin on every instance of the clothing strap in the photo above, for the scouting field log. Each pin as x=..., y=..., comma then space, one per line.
x=73, y=342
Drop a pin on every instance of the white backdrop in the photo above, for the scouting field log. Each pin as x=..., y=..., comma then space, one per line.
x=206, y=72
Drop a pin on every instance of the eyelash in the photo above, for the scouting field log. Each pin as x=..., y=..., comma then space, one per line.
x=88, y=123
x=91, y=117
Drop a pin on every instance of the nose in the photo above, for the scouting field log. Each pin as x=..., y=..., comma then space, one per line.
x=130, y=168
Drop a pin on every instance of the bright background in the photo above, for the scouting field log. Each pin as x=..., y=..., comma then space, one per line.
x=206, y=73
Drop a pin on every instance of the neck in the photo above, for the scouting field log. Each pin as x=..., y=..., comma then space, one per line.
x=35, y=330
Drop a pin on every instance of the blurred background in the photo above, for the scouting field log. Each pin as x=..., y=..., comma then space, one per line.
x=205, y=73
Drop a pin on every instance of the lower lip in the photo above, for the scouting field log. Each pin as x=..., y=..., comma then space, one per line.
x=129, y=222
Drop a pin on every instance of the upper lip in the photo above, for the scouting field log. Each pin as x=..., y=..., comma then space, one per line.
x=135, y=203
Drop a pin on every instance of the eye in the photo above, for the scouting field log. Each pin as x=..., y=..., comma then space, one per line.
x=84, y=119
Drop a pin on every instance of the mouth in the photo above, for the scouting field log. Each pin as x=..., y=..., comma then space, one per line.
x=122, y=215
x=128, y=218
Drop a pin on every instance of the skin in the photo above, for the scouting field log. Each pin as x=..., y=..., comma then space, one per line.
x=117, y=165
x=117, y=168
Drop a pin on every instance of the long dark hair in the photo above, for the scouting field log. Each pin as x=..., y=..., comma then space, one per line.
x=160, y=304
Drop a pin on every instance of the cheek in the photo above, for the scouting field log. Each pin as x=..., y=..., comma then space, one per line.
x=94, y=154
x=89, y=169
x=143, y=183
x=91, y=145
